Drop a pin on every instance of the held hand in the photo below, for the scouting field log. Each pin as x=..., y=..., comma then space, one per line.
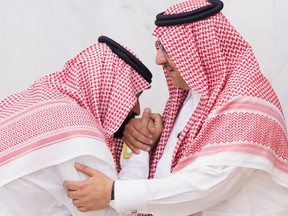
x=91, y=194
x=143, y=133
x=137, y=135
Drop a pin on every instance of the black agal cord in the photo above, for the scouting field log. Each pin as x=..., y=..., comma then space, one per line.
x=127, y=57
x=191, y=16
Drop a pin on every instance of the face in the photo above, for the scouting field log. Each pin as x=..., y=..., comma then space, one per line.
x=134, y=112
x=163, y=59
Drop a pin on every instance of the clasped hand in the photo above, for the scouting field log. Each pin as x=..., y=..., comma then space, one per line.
x=143, y=133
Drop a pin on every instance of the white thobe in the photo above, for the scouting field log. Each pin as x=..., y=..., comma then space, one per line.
x=202, y=187
x=41, y=193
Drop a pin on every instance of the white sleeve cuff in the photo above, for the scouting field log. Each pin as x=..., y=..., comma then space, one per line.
x=129, y=195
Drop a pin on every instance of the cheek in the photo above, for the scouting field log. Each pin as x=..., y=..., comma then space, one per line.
x=177, y=76
x=179, y=81
x=176, y=80
x=136, y=108
x=184, y=84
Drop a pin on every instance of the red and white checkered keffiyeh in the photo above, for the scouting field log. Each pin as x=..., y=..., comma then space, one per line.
x=238, y=111
x=90, y=97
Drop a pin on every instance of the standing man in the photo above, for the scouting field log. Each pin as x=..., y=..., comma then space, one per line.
x=223, y=150
x=76, y=115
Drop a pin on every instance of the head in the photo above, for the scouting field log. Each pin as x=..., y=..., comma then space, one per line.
x=190, y=32
x=127, y=77
x=163, y=59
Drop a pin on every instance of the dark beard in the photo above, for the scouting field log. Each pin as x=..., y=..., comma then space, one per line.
x=119, y=133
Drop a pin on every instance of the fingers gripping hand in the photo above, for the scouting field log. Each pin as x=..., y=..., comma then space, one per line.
x=137, y=135
x=91, y=194
x=155, y=126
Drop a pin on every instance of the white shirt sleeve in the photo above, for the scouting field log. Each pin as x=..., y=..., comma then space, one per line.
x=192, y=190
x=137, y=167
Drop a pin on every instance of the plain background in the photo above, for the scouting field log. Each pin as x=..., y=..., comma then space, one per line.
x=38, y=36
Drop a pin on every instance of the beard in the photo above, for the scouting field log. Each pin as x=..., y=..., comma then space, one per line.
x=119, y=133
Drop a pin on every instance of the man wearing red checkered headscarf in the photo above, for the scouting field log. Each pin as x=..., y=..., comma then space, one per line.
x=223, y=150
x=65, y=117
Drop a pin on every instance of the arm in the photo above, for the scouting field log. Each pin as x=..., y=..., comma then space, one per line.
x=182, y=193
x=136, y=167
x=84, y=193
x=194, y=189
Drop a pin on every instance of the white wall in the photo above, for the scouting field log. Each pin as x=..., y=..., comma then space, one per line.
x=38, y=36
x=280, y=80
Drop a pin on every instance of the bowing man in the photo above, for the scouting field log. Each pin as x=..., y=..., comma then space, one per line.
x=76, y=115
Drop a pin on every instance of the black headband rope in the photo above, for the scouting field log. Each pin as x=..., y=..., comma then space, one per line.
x=127, y=57
x=191, y=16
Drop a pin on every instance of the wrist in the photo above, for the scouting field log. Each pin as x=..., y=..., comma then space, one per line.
x=111, y=203
x=112, y=191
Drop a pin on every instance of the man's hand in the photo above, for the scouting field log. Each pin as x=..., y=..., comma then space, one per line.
x=155, y=127
x=91, y=194
x=143, y=133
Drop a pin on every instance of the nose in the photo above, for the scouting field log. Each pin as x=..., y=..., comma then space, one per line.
x=136, y=108
x=160, y=57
